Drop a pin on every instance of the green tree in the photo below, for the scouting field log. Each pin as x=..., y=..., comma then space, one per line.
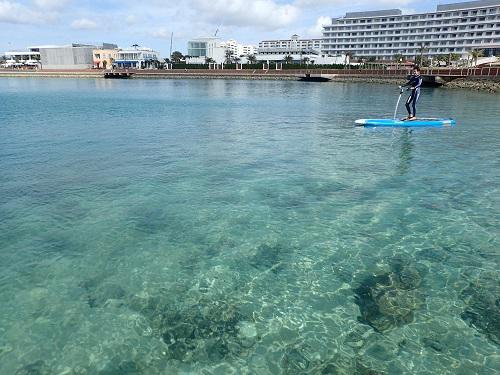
x=475, y=54
x=441, y=59
x=104, y=64
x=422, y=49
x=236, y=59
x=398, y=57
x=251, y=59
x=453, y=57
x=305, y=60
x=422, y=61
x=288, y=59
x=176, y=57
x=209, y=60
x=229, y=56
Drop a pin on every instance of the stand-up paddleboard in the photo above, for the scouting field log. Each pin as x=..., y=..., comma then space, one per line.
x=419, y=122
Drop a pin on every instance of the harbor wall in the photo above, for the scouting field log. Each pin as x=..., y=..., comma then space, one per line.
x=485, y=79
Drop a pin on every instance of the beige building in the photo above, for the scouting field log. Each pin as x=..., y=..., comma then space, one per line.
x=104, y=58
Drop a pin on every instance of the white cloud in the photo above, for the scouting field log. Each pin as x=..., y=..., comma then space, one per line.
x=366, y=4
x=161, y=33
x=317, y=29
x=50, y=4
x=83, y=24
x=130, y=19
x=264, y=14
x=13, y=12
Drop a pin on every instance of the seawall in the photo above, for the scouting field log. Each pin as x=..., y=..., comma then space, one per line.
x=489, y=84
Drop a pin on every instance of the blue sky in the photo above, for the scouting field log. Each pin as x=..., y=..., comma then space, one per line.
x=150, y=22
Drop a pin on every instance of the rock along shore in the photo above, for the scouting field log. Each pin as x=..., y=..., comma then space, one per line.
x=482, y=84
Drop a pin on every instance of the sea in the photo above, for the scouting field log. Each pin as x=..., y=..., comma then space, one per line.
x=246, y=227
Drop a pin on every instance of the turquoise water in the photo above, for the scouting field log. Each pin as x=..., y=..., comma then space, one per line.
x=245, y=227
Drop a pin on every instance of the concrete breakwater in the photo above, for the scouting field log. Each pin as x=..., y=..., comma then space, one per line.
x=489, y=84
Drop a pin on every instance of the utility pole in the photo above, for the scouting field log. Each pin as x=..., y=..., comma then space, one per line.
x=171, y=39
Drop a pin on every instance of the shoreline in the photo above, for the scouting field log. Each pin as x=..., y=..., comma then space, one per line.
x=487, y=84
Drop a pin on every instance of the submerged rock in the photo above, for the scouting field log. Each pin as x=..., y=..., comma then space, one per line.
x=35, y=368
x=433, y=343
x=269, y=257
x=295, y=361
x=300, y=360
x=122, y=368
x=209, y=329
x=389, y=300
x=104, y=294
x=483, y=307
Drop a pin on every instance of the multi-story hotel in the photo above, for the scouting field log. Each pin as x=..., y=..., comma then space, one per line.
x=295, y=49
x=454, y=28
x=293, y=43
x=239, y=49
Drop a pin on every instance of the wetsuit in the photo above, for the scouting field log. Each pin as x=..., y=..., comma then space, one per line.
x=415, y=82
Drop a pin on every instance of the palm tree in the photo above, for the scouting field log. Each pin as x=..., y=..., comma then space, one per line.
x=236, y=60
x=229, y=56
x=454, y=57
x=251, y=59
x=399, y=58
x=288, y=59
x=305, y=60
x=475, y=54
x=209, y=60
x=441, y=58
x=422, y=49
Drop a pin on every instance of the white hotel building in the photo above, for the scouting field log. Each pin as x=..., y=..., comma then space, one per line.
x=293, y=43
x=239, y=49
x=453, y=28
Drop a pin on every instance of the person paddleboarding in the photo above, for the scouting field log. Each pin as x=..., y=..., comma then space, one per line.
x=414, y=85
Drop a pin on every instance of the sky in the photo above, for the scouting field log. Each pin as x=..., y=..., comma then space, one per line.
x=149, y=23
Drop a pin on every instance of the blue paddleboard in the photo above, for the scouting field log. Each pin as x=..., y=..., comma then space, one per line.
x=419, y=122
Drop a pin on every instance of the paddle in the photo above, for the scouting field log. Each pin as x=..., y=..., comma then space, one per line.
x=397, y=104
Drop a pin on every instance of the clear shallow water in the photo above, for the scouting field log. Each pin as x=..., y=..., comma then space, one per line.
x=204, y=226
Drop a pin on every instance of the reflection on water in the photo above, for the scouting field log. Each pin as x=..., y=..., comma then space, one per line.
x=192, y=226
x=405, y=154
